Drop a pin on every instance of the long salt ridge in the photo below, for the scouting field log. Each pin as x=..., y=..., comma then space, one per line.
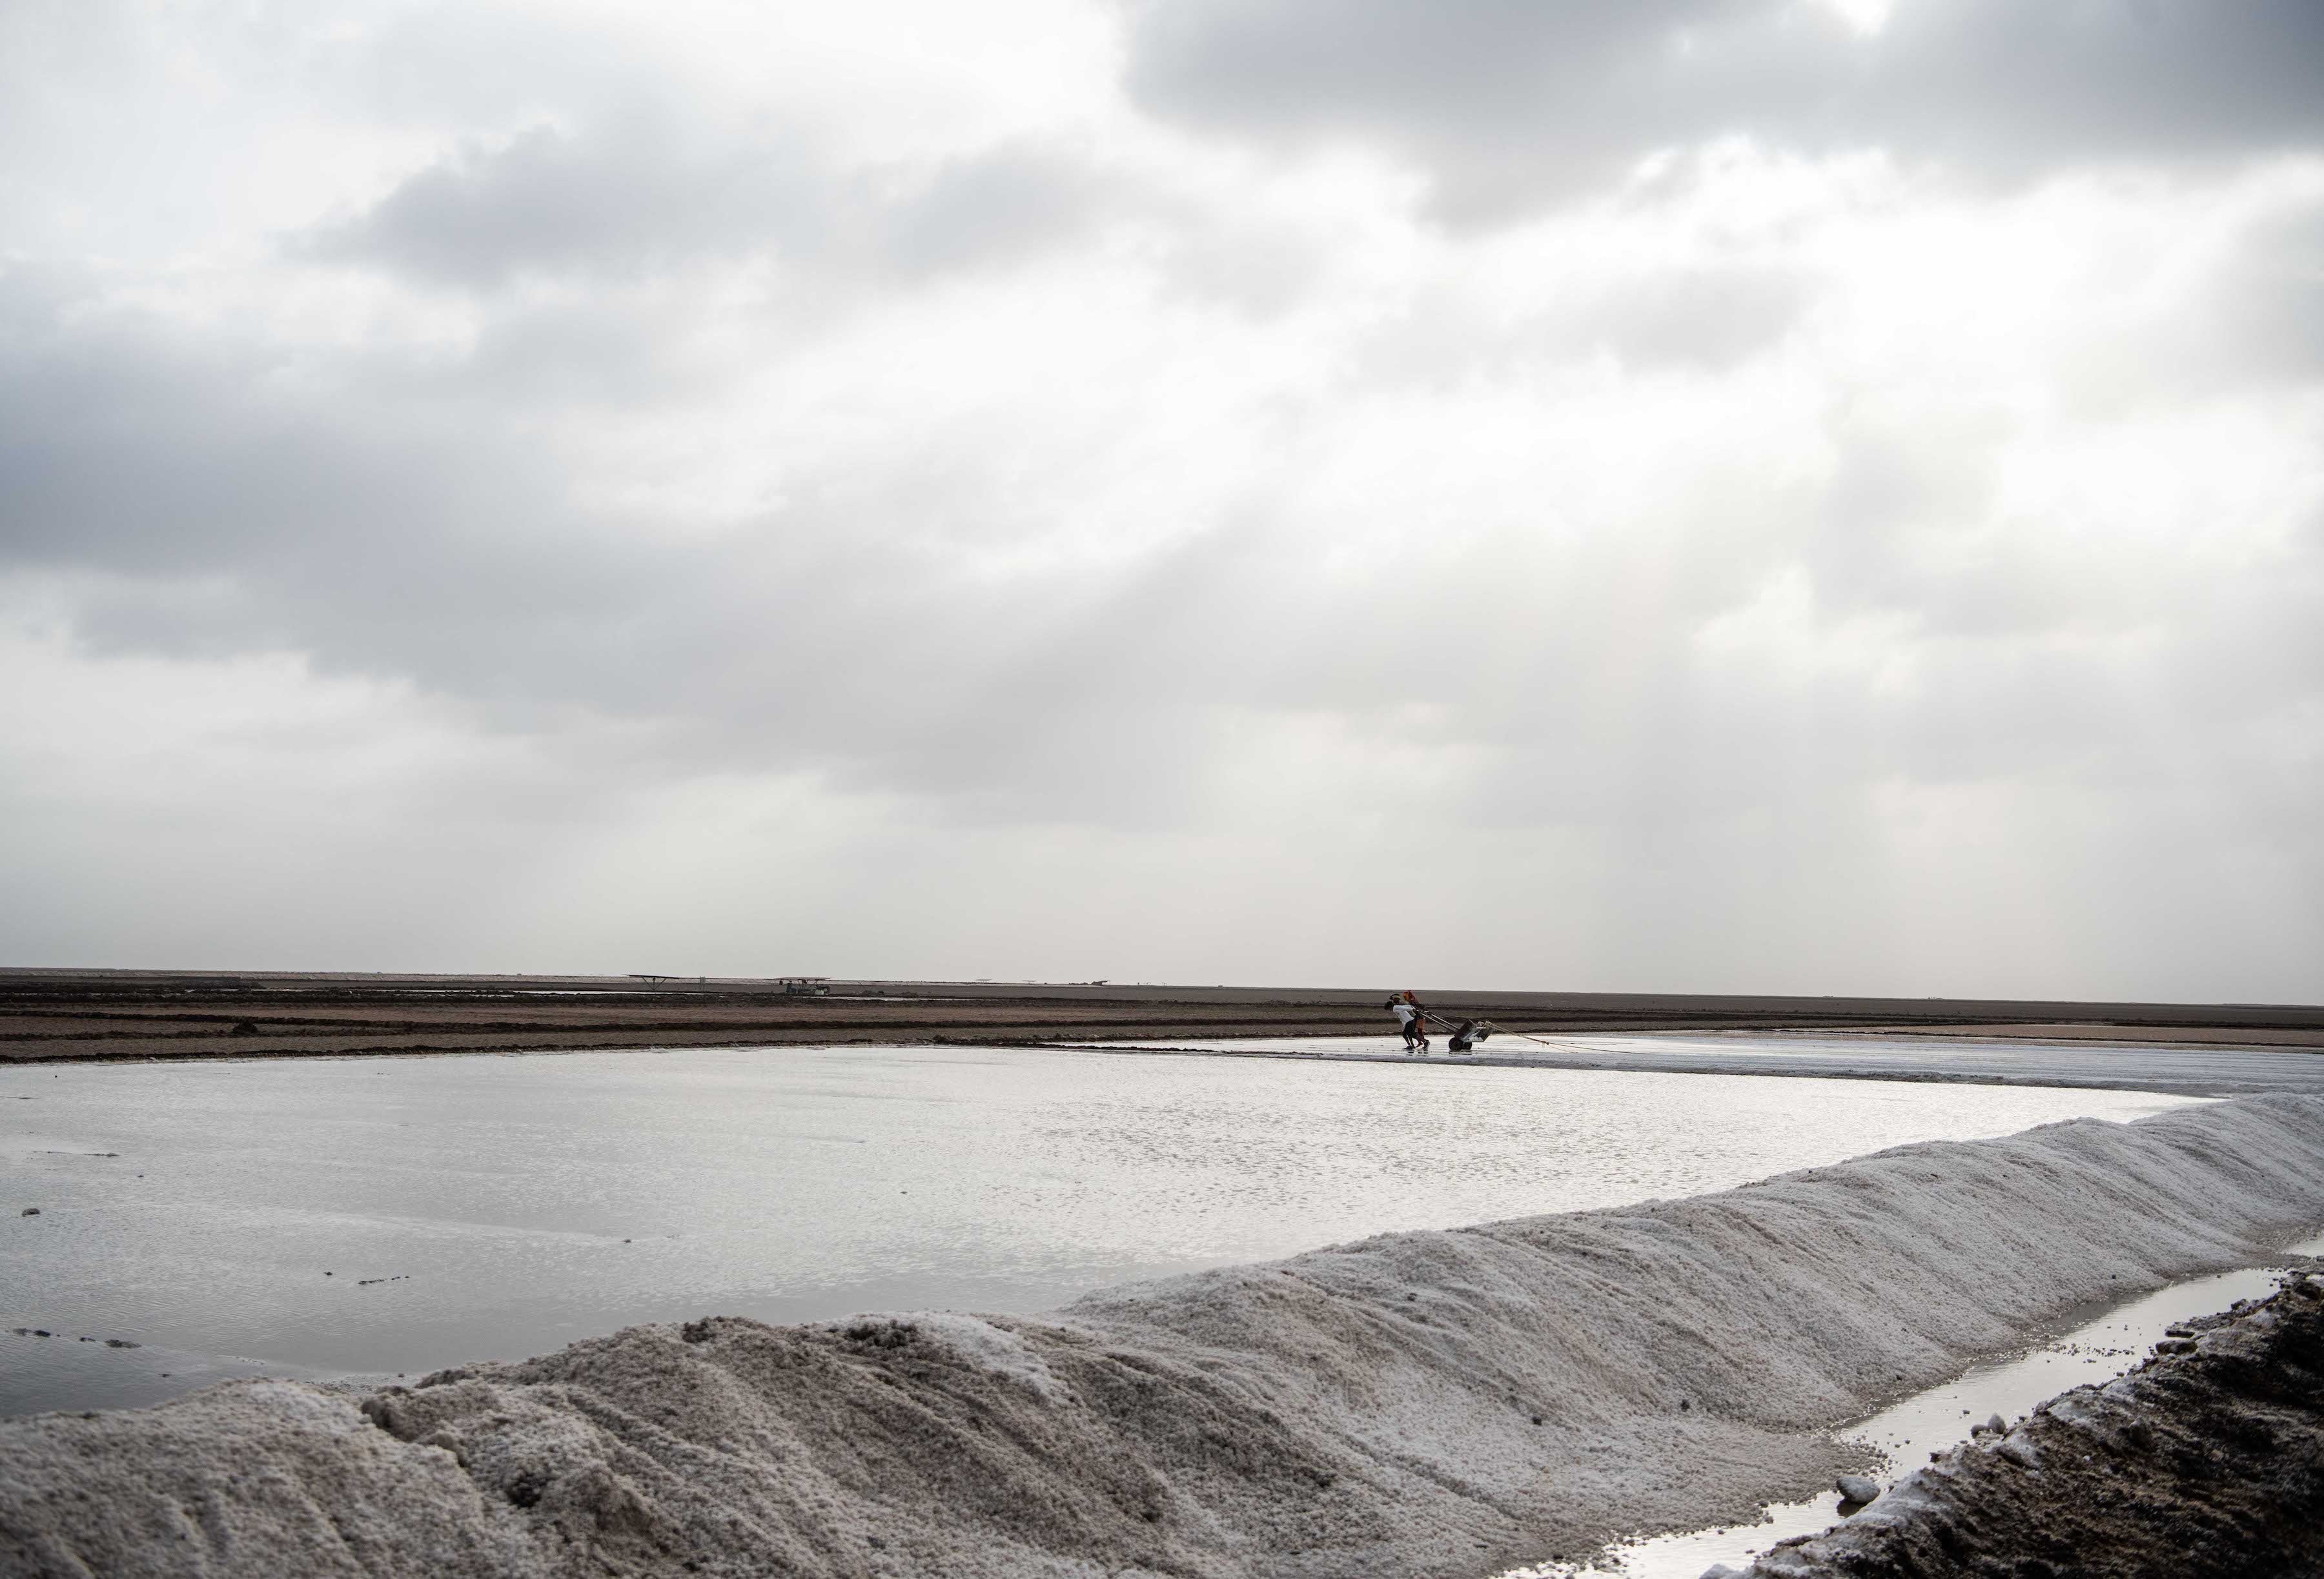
x=1429, y=1403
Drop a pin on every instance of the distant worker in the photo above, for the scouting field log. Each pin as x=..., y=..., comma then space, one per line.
x=1409, y=1019
x=1472, y=1032
x=1403, y=1011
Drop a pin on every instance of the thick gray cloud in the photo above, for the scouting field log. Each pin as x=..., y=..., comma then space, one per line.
x=625, y=198
x=396, y=526
x=1505, y=100
x=611, y=500
x=619, y=199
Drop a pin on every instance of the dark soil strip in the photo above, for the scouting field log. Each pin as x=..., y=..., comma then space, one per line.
x=54, y=1015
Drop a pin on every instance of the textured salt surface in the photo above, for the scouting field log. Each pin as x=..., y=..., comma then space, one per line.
x=1423, y=1403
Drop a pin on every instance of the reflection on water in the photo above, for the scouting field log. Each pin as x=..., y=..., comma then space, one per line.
x=378, y=1216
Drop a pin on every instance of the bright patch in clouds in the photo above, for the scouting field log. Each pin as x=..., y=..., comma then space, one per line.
x=1679, y=497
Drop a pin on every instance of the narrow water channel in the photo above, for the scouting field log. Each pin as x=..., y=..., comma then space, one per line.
x=1905, y=1434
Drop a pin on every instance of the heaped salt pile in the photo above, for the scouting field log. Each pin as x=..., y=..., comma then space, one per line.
x=1435, y=1403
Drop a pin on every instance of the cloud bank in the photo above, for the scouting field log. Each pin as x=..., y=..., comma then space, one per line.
x=1681, y=496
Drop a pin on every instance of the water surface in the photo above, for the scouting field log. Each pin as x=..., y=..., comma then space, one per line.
x=333, y=1216
x=2207, y=1070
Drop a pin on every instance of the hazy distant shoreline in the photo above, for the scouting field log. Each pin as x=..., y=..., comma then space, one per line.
x=50, y=1015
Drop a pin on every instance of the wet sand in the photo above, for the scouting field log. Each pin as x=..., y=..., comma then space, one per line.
x=58, y=1014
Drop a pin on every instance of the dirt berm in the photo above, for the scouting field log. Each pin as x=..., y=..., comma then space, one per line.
x=1418, y=1404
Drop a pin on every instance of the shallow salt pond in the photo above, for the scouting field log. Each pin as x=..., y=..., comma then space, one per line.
x=341, y=1216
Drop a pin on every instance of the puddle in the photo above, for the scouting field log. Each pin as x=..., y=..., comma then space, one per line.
x=1907, y=1433
x=101, y=1377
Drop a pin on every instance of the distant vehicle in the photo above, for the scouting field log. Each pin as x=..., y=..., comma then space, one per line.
x=805, y=986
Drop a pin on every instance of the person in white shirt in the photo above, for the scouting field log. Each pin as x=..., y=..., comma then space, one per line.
x=1412, y=1018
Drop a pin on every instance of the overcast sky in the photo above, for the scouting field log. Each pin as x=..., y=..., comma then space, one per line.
x=1786, y=495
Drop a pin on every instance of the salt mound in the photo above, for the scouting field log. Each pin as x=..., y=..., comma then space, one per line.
x=1432, y=1403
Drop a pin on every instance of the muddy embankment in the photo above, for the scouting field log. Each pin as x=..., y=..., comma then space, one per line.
x=2206, y=1462
x=1418, y=1404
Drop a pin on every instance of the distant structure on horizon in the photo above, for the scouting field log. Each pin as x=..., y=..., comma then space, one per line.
x=791, y=986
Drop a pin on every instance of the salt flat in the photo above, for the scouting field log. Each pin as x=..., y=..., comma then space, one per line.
x=319, y=1217
x=1427, y=1403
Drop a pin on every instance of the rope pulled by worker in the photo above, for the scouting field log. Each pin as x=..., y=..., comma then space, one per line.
x=1412, y=1019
